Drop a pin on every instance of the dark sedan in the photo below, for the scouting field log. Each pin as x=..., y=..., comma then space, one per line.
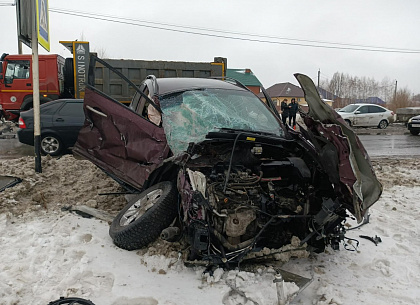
x=414, y=125
x=61, y=121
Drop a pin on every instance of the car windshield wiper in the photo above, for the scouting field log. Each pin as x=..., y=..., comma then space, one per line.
x=263, y=133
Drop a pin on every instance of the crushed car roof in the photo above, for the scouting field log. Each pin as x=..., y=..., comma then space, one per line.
x=170, y=85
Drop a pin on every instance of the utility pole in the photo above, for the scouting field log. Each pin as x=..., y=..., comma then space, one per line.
x=319, y=74
x=395, y=92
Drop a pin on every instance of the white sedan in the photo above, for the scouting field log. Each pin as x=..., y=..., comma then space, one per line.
x=366, y=115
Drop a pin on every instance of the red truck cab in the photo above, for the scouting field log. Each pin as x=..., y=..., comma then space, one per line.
x=16, y=86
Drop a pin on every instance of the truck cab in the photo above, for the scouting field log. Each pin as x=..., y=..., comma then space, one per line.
x=16, y=86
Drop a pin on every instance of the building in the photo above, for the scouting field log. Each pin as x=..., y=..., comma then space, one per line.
x=371, y=100
x=324, y=94
x=281, y=91
x=246, y=77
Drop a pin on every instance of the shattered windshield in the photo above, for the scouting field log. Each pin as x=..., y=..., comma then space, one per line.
x=188, y=116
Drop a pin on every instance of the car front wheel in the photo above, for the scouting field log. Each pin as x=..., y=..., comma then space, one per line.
x=383, y=124
x=348, y=122
x=51, y=145
x=145, y=216
x=414, y=132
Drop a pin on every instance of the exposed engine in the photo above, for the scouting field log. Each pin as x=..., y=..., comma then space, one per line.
x=234, y=205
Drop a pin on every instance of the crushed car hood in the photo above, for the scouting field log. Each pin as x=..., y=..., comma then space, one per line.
x=355, y=168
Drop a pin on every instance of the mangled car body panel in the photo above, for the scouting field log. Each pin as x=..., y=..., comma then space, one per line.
x=355, y=168
x=119, y=140
x=243, y=181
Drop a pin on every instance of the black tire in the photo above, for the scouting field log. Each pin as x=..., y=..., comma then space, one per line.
x=71, y=301
x=145, y=216
x=51, y=145
x=44, y=100
x=348, y=122
x=383, y=124
x=414, y=132
x=68, y=72
x=28, y=103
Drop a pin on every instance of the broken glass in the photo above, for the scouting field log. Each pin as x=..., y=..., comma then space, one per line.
x=189, y=115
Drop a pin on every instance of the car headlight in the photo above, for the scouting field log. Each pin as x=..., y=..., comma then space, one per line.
x=409, y=120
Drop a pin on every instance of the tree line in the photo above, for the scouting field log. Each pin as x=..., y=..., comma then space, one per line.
x=348, y=89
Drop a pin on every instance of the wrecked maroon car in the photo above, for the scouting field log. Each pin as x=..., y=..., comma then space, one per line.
x=212, y=163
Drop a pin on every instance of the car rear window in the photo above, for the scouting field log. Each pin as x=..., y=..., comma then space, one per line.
x=375, y=109
x=72, y=109
x=50, y=108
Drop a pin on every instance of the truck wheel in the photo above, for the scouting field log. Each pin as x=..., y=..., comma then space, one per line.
x=29, y=103
x=68, y=76
x=383, y=124
x=44, y=100
x=145, y=216
x=51, y=145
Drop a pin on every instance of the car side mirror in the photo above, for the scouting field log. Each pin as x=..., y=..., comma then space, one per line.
x=357, y=112
x=8, y=80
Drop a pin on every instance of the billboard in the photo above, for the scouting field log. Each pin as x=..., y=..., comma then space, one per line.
x=25, y=21
x=42, y=24
x=26, y=11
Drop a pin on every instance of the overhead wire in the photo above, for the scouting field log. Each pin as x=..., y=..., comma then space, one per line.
x=212, y=33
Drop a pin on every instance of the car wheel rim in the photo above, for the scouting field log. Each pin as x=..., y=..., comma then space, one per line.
x=383, y=124
x=50, y=145
x=138, y=208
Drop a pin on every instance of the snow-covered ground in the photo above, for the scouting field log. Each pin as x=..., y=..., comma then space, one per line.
x=47, y=252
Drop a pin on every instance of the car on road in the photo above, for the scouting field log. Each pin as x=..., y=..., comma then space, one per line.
x=212, y=165
x=366, y=115
x=61, y=121
x=413, y=125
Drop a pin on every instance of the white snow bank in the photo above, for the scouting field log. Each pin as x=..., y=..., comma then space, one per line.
x=46, y=253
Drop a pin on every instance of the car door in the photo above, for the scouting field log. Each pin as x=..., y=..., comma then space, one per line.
x=119, y=140
x=361, y=116
x=377, y=114
x=18, y=83
x=68, y=120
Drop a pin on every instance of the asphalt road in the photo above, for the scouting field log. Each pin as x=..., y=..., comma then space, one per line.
x=396, y=145
x=11, y=148
x=382, y=145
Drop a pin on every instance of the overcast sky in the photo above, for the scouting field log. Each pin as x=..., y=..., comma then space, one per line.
x=356, y=23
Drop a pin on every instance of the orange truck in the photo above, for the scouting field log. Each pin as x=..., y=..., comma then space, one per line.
x=66, y=77
x=16, y=86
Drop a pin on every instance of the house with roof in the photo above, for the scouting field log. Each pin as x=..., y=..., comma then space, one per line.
x=281, y=91
x=324, y=94
x=246, y=77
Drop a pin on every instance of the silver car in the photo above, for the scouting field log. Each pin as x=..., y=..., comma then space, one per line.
x=366, y=115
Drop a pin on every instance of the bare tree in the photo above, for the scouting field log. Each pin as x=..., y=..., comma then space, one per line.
x=402, y=99
x=101, y=52
x=350, y=88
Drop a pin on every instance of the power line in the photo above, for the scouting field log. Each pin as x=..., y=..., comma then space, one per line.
x=187, y=30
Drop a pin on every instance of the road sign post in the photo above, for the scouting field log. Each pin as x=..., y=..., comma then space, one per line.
x=33, y=26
